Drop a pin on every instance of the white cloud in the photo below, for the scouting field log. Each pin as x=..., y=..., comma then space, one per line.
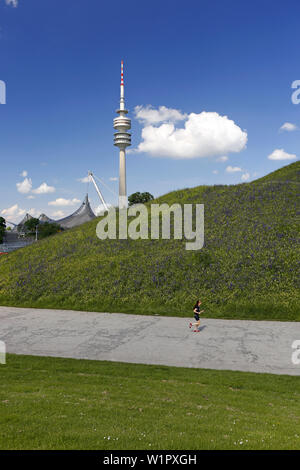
x=13, y=3
x=113, y=178
x=215, y=172
x=222, y=159
x=233, y=169
x=245, y=176
x=12, y=212
x=34, y=212
x=44, y=189
x=149, y=115
x=100, y=209
x=86, y=179
x=288, y=126
x=203, y=135
x=25, y=186
x=30, y=197
x=280, y=154
x=64, y=202
x=58, y=214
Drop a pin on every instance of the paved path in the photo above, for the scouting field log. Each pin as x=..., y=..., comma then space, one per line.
x=221, y=344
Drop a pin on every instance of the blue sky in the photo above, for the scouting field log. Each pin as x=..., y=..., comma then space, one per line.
x=60, y=60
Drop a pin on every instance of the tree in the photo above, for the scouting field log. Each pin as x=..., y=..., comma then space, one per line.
x=2, y=228
x=46, y=229
x=139, y=198
x=30, y=225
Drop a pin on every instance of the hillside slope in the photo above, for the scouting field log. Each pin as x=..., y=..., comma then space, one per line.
x=248, y=268
x=287, y=173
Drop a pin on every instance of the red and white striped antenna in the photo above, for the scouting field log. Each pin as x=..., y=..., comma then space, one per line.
x=122, y=101
x=122, y=73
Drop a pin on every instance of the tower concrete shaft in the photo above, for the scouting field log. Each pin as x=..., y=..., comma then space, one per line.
x=122, y=139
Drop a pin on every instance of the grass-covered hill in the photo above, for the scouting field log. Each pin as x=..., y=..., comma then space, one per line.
x=248, y=268
x=289, y=173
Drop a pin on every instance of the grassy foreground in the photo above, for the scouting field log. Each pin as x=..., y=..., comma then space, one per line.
x=247, y=269
x=53, y=403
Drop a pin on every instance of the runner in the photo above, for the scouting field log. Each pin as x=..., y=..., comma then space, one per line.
x=197, y=312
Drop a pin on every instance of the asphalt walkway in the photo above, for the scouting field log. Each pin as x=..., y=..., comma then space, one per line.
x=257, y=346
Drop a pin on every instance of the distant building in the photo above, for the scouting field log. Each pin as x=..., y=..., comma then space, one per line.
x=13, y=239
x=82, y=215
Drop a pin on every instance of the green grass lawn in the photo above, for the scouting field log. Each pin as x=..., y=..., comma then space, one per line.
x=53, y=403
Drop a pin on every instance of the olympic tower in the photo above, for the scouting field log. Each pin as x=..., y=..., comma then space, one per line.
x=122, y=139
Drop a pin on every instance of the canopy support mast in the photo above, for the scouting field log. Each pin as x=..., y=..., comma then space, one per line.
x=91, y=176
